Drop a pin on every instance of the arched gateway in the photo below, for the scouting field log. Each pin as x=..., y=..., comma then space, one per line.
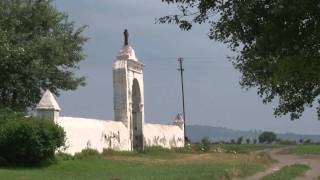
x=129, y=93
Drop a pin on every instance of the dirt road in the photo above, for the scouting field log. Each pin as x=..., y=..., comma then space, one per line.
x=284, y=159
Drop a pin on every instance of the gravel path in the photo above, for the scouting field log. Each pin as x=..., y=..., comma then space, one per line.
x=284, y=159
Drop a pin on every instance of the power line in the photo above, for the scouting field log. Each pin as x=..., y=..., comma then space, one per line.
x=187, y=58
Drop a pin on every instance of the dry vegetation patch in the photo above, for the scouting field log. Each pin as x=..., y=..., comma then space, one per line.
x=194, y=158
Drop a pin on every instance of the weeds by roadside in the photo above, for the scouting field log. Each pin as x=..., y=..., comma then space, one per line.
x=288, y=172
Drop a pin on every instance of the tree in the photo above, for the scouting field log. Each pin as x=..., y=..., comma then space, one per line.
x=301, y=141
x=248, y=141
x=277, y=44
x=239, y=140
x=255, y=141
x=267, y=137
x=39, y=50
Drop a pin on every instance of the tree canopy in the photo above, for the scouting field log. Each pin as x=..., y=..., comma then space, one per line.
x=277, y=43
x=39, y=49
x=267, y=137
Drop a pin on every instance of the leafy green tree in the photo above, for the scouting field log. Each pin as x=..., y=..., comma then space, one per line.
x=267, y=137
x=239, y=140
x=248, y=141
x=255, y=141
x=39, y=50
x=277, y=44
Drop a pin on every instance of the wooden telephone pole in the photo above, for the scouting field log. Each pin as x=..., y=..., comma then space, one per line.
x=181, y=69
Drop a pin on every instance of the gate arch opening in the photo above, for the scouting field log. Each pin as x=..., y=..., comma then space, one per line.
x=137, y=136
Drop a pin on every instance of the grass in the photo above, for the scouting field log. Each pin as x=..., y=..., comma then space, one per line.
x=288, y=172
x=305, y=149
x=245, y=148
x=151, y=164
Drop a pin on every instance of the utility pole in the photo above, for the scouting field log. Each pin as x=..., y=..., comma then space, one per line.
x=181, y=69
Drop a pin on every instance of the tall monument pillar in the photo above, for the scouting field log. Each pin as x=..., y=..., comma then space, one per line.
x=128, y=92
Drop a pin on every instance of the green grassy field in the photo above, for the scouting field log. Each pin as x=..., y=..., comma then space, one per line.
x=246, y=148
x=150, y=164
x=305, y=149
x=288, y=172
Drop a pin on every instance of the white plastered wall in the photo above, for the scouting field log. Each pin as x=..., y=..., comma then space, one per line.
x=167, y=136
x=96, y=134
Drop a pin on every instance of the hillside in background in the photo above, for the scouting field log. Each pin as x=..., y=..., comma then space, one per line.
x=197, y=132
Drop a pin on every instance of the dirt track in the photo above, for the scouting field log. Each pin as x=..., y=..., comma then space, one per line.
x=284, y=159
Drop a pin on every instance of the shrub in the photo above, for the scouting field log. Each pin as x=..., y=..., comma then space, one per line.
x=85, y=153
x=64, y=156
x=29, y=141
x=205, y=144
x=308, y=141
x=111, y=152
x=187, y=149
x=7, y=115
x=232, y=148
x=152, y=149
x=286, y=142
x=3, y=162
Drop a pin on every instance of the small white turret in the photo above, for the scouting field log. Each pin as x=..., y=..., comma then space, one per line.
x=48, y=107
x=178, y=120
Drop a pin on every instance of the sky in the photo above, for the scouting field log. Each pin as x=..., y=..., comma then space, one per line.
x=212, y=92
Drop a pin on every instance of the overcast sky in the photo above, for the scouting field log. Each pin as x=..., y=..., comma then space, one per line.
x=213, y=94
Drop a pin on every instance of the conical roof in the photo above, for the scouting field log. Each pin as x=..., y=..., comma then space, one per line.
x=178, y=118
x=48, y=102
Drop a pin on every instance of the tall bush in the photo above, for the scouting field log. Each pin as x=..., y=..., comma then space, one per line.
x=28, y=141
x=239, y=140
x=205, y=144
x=7, y=115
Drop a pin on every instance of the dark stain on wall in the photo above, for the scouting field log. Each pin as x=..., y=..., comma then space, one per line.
x=111, y=136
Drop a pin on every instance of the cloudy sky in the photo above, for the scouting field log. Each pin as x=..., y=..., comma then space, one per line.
x=213, y=94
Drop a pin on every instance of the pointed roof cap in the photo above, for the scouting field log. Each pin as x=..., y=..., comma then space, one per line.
x=48, y=102
x=178, y=118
